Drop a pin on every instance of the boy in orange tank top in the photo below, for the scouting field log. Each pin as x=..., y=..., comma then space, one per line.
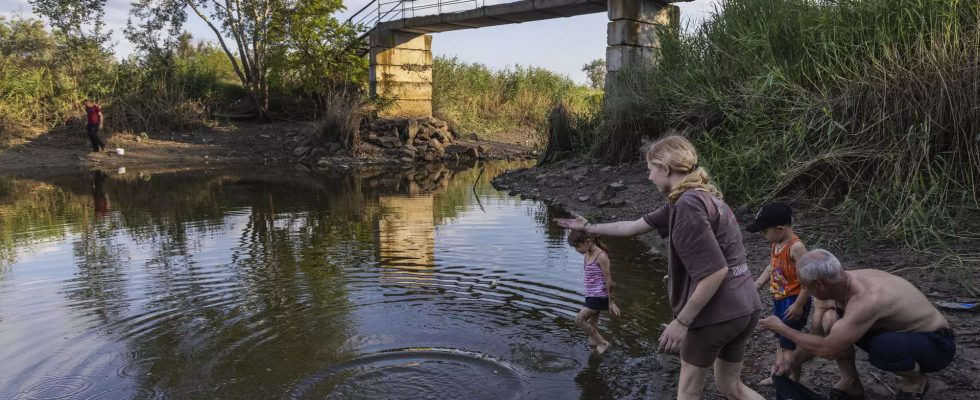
x=791, y=302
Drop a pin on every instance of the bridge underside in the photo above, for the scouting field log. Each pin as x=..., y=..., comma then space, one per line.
x=500, y=14
x=401, y=50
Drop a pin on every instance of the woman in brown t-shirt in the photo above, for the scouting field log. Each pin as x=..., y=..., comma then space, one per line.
x=713, y=297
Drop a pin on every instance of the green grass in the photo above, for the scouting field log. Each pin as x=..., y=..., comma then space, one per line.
x=869, y=107
x=508, y=103
x=44, y=78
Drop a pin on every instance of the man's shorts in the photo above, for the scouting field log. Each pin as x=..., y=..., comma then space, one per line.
x=779, y=308
x=724, y=340
x=901, y=351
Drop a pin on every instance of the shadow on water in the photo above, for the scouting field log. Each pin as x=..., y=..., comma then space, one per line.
x=284, y=283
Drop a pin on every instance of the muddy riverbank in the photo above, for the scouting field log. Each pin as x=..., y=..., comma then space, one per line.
x=231, y=143
x=606, y=193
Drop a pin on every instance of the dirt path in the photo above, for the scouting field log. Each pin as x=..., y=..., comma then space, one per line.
x=243, y=142
x=579, y=186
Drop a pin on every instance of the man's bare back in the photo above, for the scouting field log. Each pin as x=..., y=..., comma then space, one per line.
x=893, y=303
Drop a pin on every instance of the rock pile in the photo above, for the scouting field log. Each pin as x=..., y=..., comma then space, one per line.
x=416, y=139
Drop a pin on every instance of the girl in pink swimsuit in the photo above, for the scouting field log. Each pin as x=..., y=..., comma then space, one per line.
x=598, y=285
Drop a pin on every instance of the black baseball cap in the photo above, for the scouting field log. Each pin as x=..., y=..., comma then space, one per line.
x=772, y=214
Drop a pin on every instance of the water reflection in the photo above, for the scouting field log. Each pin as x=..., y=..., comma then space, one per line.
x=406, y=231
x=286, y=283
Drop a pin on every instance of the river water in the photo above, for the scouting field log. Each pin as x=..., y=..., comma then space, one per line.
x=271, y=283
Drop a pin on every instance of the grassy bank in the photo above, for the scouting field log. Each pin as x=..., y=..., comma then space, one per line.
x=44, y=76
x=868, y=107
x=508, y=103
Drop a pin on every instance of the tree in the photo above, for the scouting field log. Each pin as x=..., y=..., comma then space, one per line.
x=76, y=19
x=317, y=54
x=258, y=32
x=245, y=22
x=596, y=72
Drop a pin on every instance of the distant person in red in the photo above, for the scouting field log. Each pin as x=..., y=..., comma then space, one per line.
x=93, y=124
x=98, y=193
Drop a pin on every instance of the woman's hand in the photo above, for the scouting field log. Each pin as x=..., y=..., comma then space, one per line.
x=673, y=337
x=577, y=223
x=614, y=309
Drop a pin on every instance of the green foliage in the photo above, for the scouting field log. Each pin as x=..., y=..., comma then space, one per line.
x=277, y=48
x=316, y=56
x=596, y=72
x=41, y=86
x=867, y=105
x=487, y=102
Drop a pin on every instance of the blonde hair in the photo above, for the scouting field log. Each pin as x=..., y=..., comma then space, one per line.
x=678, y=155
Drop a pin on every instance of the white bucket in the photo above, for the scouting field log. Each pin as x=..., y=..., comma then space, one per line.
x=120, y=151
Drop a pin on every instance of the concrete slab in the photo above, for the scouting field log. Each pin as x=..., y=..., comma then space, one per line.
x=401, y=57
x=632, y=33
x=409, y=108
x=401, y=40
x=401, y=73
x=407, y=90
x=648, y=11
x=621, y=57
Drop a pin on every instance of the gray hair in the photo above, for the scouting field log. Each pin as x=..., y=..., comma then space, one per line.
x=820, y=265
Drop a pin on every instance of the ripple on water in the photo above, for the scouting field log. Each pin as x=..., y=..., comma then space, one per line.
x=56, y=388
x=434, y=373
x=543, y=360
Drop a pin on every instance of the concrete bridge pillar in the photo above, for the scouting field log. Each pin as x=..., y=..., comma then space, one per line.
x=631, y=34
x=401, y=66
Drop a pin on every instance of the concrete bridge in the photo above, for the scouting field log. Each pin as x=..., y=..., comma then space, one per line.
x=401, y=40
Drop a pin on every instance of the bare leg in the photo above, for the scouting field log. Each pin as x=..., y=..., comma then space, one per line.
x=692, y=381
x=779, y=356
x=601, y=347
x=728, y=375
x=594, y=321
x=582, y=320
x=796, y=372
x=913, y=381
x=849, y=382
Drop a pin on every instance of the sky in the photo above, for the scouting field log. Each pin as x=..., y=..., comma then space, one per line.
x=563, y=45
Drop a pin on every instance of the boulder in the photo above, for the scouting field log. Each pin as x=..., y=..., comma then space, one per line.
x=617, y=186
x=390, y=142
x=603, y=195
x=405, y=152
x=408, y=129
x=435, y=144
x=426, y=132
x=301, y=151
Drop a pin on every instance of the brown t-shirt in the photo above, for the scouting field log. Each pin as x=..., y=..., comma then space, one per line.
x=703, y=236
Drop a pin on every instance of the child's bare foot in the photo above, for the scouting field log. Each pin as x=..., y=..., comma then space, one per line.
x=766, y=382
x=602, y=347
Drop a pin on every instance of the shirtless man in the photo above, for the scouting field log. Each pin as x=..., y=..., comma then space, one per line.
x=884, y=315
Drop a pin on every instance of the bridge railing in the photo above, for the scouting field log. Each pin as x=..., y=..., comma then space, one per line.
x=378, y=11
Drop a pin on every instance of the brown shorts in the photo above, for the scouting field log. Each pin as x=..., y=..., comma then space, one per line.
x=724, y=340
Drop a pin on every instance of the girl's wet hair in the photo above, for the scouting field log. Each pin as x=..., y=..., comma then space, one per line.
x=576, y=238
x=678, y=155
